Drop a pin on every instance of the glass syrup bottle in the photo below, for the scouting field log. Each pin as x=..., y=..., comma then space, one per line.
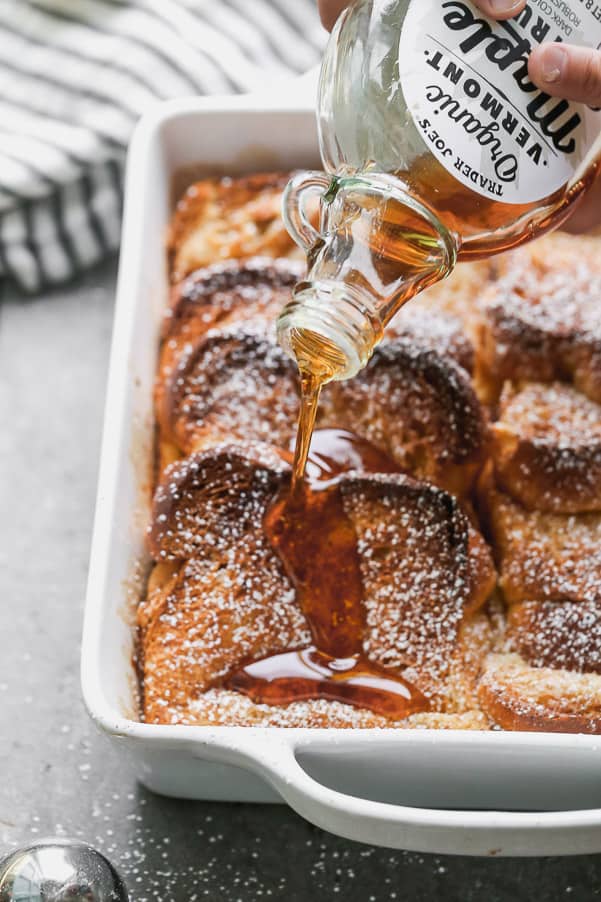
x=437, y=147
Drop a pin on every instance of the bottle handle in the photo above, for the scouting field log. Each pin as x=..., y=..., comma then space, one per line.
x=294, y=210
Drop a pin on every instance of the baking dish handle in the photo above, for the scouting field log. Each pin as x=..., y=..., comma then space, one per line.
x=451, y=832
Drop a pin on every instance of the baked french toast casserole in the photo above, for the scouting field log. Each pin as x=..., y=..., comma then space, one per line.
x=480, y=555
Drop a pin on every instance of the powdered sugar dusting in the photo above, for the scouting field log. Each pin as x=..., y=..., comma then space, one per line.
x=413, y=548
x=547, y=448
x=227, y=398
x=544, y=318
x=236, y=384
x=547, y=556
x=562, y=635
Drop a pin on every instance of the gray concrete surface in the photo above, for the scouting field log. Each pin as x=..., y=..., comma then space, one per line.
x=56, y=774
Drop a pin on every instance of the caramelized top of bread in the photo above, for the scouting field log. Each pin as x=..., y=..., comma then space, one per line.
x=231, y=384
x=424, y=579
x=546, y=447
x=554, y=557
x=221, y=218
x=417, y=406
x=562, y=635
x=230, y=295
x=543, y=317
x=519, y=697
x=435, y=331
x=209, y=501
x=233, y=289
x=233, y=605
x=419, y=579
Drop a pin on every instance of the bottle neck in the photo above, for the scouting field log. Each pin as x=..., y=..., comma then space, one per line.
x=379, y=246
x=330, y=328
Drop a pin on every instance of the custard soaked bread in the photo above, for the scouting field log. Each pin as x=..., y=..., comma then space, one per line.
x=546, y=674
x=223, y=376
x=546, y=447
x=426, y=469
x=517, y=696
x=542, y=555
x=542, y=317
x=222, y=597
x=224, y=218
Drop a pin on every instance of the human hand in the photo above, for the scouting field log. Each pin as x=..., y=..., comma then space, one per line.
x=561, y=70
x=573, y=73
x=497, y=9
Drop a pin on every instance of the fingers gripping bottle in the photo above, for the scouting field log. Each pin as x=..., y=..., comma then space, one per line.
x=437, y=147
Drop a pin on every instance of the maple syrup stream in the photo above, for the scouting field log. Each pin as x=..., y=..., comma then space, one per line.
x=317, y=543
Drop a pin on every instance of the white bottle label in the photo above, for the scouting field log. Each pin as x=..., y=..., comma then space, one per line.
x=466, y=84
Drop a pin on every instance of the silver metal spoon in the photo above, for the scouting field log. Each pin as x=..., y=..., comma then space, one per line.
x=59, y=870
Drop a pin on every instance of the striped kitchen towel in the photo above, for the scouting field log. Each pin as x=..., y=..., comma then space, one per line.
x=75, y=75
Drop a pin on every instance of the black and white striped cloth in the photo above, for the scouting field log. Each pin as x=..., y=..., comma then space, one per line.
x=75, y=75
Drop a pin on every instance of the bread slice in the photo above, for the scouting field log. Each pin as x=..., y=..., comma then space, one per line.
x=212, y=500
x=549, y=557
x=546, y=447
x=562, y=635
x=420, y=408
x=222, y=598
x=220, y=707
x=517, y=696
x=433, y=330
x=230, y=384
x=421, y=582
x=542, y=318
x=233, y=382
x=221, y=218
x=222, y=610
x=232, y=290
x=251, y=294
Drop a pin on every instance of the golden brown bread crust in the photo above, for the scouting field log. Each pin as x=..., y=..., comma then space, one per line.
x=542, y=318
x=221, y=218
x=234, y=606
x=546, y=448
x=554, y=557
x=417, y=406
x=418, y=577
x=519, y=697
x=216, y=297
x=562, y=635
x=224, y=377
x=219, y=595
x=222, y=597
x=231, y=384
x=232, y=289
x=214, y=498
x=435, y=331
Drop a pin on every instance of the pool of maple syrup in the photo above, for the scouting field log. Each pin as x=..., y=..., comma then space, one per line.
x=317, y=544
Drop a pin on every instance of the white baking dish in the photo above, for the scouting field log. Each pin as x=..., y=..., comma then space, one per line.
x=444, y=792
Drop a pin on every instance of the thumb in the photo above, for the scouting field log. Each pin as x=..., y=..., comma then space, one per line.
x=329, y=11
x=570, y=72
x=501, y=9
